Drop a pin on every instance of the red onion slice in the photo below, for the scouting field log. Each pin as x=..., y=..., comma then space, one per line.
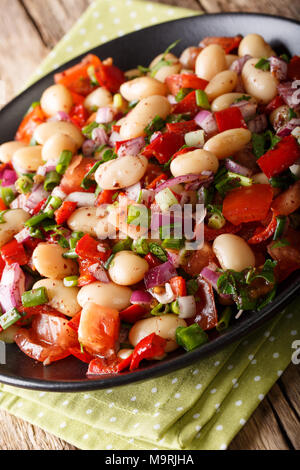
x=99, y=273
x=132, y=147
x=9, y=177
x=159, y=275
x=187, y=306
x=206, y=121
x=237, y=168
x=23, y=236
x=141, y=297
x=290, y=93
x=178, y=180
x=99, y=136
x=248, y=109
x=212, y=277
x=238, y=64
x=12, y=287
x=37, y=195
x=82, y=199
x=258, y=124
x=105, y=115
x=288, y=128
x=278, y=68
x=133, y=192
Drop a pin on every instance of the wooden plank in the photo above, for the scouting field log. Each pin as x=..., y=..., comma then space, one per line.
x=290, y=384
x=54, y=18
x=261, y=432
x=192, y=4
x=21, y=47
x=288, y=419
x=17, y=434
x=283, y=8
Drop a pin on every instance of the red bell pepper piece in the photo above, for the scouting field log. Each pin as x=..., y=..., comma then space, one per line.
x=85, y=277
x=110, y=77
x=187, y=105
x=152, y=260
x=182, y=127
x=248, y=204
x=228, y=43
x=115, y=128
x=164, y=146
x=88, y=247
x=125, y=363
x=279, y=159
x=211, y=234
x=149, y=347
x=230, y=118
x=101, y=366
x=74, y=322
x=2, y=266
x=2, y=205
x=65, y=211
x=77, y=99
x=154, y=183
x=28, y=312
x=30, y=122
x=178, y=285
x=76, y=78
x=264, y=234
x=132, y=313
x=13, y=252
x=79, y=115
x=186, y=80
x=293, y=72
x=105, y=197
x=274, y=104
x=39, y=206
x=82, y=356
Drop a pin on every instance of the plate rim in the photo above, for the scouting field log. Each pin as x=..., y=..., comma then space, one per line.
x=186, y=359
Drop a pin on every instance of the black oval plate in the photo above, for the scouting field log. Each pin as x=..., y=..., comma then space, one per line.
x=129, y=51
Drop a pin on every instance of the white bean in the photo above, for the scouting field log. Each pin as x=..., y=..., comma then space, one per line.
x=141, y=88
x=226, y=100
x=104, y=229
x=127, y=268
x=167, y=70
x=56, y=98
x=44, y=131
x=56, y=144
x=14, y=223
x=223, y=82
x=164, y=326
x=280, y=116
x=98, y=99
x=195, y=161
x=168, y=58
x=28, y=159
x=84, y=220
x=122, y=172
x=259, y=83
x=146, y=110
x=233, y=252
x=8, y=149
x=49, y=262
x=63, y=299
x=133, y=73
x=230, y=58
x=189, y=56
x=210, y=62
x=260, y=178
x=107, y=295
x=228, y=142
x=255, y=45
x=124, y=353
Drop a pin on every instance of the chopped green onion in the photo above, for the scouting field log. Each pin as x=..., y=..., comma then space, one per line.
x=92, y=75
x=70, y=255
x=24, y=184
x=166, y=199
x=140, y=246
x=7, y=195
x=87, y=182
x=263, y=64
x=52, y=205
x=35, y=297
x=291, y=114
x=160, y=309
x=158, y=251
x=191, y=337
x=138, y=216
x=87, y=130
x=122, y=245
x=32, y=106
x=10, y=318
x=202, y=99
x=194, y=138
x=173, y=243
x=216, y=221
x=108, y=155
x=75, y=237
x=108, y=262
x=36, y=233
x=36, y=220
x=52, y=179
x=244, y=180
x=242, y=98
x=175, y=307
x=281, y=221
x=71, y=281
x=183, y=92
x=223, y=323
x=285, y=57
x=64, y=161
x=118, y=100
x=2, y=220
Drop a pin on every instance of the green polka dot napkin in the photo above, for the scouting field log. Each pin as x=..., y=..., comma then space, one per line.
x=200, y=407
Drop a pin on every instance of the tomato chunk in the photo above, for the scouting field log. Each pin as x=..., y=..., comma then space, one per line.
x=13, y=252
x=182, y=127
x=30, y=122
x=75, y=173
x=133, y=313
x=186, y=80
x=65, y=211
x=48, y=339
x=76, y=78
x=187, y=105
x=110, y=77
x=247, y=204
x=228, y=43
x=99, y=329
x=82, y=356
x=178, y=285
x=88, y=247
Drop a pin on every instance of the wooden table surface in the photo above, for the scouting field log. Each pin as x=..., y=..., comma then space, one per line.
x=29, y=29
